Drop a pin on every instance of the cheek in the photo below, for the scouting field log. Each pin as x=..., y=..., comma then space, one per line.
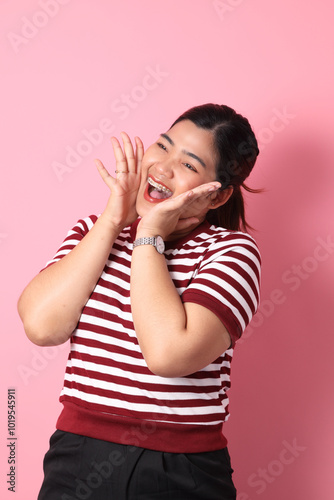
x=140, y=208
x=187, y=184
x=186, y=180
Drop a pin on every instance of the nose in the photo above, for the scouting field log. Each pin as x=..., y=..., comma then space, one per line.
x=165, y=168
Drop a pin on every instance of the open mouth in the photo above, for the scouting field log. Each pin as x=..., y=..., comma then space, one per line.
x=158, y=191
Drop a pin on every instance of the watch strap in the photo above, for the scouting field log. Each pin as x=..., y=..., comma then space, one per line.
x=150, y=240
x=156, y=241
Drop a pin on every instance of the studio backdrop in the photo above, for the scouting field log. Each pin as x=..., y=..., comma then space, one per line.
x=74, y=73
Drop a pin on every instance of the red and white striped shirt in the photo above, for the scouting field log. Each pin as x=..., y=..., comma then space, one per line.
x=109, y=393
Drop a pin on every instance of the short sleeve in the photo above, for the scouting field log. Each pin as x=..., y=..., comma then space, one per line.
x=228, y=282
x=73, y=237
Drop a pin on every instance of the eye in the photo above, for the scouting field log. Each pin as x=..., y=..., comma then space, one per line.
x=161, y=146
x=190, y=167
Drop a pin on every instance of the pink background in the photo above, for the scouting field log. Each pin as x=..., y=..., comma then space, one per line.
x=69, y=67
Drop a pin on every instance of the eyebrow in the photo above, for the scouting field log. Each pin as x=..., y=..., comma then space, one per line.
x=168, y=139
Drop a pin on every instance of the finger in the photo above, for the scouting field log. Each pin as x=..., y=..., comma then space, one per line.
x=201, y=194
x=188, y=199
x=121, y=162
x=194, y=195
x=206, y=189
x=129, y=153
x=139, y=152
x=107, y=178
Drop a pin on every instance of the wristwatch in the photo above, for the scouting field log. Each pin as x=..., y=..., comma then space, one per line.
x=156, y=241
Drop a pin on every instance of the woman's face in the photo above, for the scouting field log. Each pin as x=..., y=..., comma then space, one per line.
x=178, y=161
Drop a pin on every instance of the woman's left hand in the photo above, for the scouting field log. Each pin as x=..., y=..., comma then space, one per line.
x=178, y=215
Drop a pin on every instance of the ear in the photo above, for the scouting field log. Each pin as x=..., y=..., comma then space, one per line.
x=219, y=198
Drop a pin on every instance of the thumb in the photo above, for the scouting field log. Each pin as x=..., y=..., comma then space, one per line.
x=106, y=177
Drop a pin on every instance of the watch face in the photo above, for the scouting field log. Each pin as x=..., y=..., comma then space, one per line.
x=160, y=245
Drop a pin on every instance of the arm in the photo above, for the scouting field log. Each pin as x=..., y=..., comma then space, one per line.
x=51, y=304
x=176, y=339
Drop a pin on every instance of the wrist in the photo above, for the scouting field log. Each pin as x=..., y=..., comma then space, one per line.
x=145, y=231
x=109, y=225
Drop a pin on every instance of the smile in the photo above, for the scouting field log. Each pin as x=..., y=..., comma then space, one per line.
x=159, y=187
x=157, y=191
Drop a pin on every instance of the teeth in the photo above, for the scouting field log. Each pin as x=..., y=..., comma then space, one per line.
x=158, y=186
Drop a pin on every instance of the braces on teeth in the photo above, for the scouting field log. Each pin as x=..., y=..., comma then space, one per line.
x=158, y=186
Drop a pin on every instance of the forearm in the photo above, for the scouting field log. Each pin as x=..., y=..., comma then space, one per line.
x=158, y=312
x=51, y=304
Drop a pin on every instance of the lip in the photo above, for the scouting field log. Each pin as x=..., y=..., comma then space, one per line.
x=146, y=193
x=159, y=182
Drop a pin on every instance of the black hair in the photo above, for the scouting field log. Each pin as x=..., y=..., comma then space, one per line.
x=237, y=149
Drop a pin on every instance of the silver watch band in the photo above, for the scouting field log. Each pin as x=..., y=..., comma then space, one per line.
x=151, y=240
x=156, y=241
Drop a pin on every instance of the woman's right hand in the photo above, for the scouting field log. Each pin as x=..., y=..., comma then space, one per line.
x=121, y=207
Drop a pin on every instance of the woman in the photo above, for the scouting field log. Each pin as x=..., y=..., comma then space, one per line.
x=153, y=294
